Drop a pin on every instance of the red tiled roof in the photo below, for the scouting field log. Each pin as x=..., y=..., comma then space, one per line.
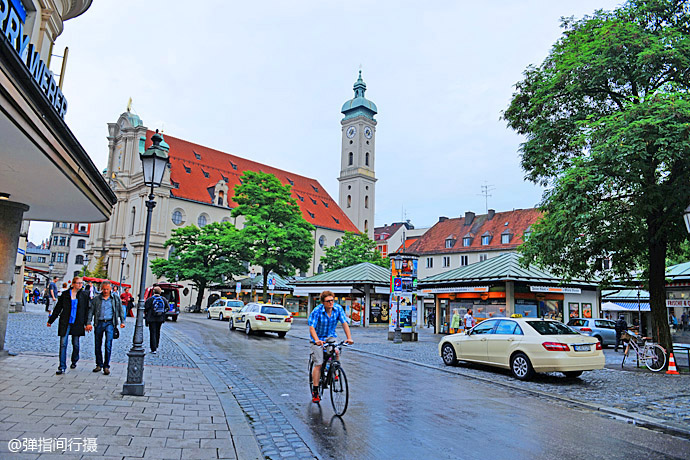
x=385, y=232
x=408, y=243
x=318, y=208
x=434, y=240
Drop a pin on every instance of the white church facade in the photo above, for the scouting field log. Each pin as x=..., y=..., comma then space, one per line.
x=198, y=187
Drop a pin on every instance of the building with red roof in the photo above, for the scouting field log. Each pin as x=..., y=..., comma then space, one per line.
x=197, y=188
x=460, y=241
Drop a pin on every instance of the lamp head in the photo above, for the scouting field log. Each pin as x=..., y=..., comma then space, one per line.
x=154, y=160
x=123, y=252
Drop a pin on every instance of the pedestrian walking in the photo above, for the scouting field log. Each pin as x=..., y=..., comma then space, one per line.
x=72, y=308
x=684, y=320
x=432, y=320
x=37, y=295
x=468, y=320
x=51, y=300
x=105, y=311
x=154, y=311
x=621, y=326
x=128, y=302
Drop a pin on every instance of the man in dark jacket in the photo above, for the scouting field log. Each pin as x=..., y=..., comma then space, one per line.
x=153, y=319
x=72, y=308
x=106, y=312
x=621, y=326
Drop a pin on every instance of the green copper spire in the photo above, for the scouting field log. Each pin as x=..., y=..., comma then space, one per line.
x=359, y=105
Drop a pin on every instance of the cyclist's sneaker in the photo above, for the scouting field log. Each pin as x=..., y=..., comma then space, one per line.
x=315, y=398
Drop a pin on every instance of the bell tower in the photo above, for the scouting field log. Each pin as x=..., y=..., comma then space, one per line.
x=357, y=178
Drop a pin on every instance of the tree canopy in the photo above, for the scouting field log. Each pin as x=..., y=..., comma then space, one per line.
x=355, y=248
x=202, y=255
x=275, y=235
x=606, y=118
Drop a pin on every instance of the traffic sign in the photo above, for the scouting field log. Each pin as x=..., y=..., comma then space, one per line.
x=271, y=283
x=397, y=284
x=238, y=287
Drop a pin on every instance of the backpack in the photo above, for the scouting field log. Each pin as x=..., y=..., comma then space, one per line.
x=158, y=306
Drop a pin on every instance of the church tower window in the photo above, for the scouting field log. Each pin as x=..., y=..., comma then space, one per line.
x=350, y=160
x=349, y=201
x=366, y=202
x=366, y=159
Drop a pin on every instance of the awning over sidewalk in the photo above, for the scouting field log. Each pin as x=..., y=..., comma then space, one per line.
x=625, y=306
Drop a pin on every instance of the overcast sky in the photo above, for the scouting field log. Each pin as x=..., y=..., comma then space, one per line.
x=265, y=80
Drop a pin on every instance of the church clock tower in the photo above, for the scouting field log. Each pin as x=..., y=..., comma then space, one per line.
x=357, y=178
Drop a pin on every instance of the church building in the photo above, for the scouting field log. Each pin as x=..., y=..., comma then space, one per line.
x=198, y=188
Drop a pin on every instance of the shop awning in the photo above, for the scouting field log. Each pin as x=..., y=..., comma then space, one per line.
x=625, y=306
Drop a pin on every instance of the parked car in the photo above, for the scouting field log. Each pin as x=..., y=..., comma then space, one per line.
x=525, y=346
x=604, y=330
x=262, y=317
x=171, y=292
x=222, y=308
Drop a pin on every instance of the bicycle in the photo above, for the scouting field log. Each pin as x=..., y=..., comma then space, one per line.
x=653, y=355
x=332, y=377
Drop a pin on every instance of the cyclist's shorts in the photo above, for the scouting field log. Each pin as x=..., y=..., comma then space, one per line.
x=316, y=353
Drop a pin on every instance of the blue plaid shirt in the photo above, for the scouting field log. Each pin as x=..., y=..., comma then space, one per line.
x=325, y=325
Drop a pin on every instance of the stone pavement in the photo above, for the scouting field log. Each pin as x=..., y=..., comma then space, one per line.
x=183, y=415
x=635, y=393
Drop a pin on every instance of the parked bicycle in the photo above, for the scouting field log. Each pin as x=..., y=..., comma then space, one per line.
x=332, y=377
x=652, y=354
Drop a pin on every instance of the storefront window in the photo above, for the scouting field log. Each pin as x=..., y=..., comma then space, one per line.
x=574, y=309
x=587, y=310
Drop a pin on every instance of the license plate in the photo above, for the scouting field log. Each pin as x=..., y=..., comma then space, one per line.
x=582, y=347
x=275, y=320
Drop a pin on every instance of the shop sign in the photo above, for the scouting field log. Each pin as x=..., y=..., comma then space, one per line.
x=677, y=303
x=12, y=17
x=446, y=290
x=554, y=289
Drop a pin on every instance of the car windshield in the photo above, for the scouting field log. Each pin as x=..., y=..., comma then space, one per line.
x=235, y=303
x=551, y=328
x=274, y=311
x=577, y=322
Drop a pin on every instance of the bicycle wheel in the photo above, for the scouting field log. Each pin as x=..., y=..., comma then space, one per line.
x=340, y=394
x=655, y=358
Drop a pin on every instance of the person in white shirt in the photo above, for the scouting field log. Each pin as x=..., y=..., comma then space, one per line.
x=468, y=320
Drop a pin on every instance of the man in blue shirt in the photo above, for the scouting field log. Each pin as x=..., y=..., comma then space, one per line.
x=323, y=321
x=106, y=313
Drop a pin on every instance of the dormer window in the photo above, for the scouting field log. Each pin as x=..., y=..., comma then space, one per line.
x=301, y=198
x=325, y=203
x=187, y=170
x=311, y=214
x=506, y=236
x=527, y=233
x=290, y=181
x=234, y=166
x=316, y=189
x=221, y=195
x=486, y=239
x=205, y=173
x=198, y=157
x=312, y=200
x=467, y=241
x=450, y=242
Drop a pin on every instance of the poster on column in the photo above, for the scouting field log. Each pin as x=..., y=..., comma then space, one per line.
x=408, y=312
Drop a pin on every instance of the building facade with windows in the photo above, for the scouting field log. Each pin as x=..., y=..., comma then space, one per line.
x=198, y=188
x=461, y=241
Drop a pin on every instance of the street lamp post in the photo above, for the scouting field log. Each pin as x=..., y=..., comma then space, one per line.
x=154, y=161
x=397, y=333
x=123, y=255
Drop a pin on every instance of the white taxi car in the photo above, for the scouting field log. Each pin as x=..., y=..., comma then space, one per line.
x=256, y=317
x=525, y=346
x=222, y=308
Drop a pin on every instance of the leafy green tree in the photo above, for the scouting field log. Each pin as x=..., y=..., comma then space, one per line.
x=99, y=270
x=202, y=255
x=607, y=121
x=275, y=234
x=354, y=249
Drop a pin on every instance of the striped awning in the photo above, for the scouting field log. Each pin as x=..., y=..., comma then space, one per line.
x=632, y=306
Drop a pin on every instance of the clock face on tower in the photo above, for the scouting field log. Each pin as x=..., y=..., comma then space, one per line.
x=351, y=131
x=368, y=132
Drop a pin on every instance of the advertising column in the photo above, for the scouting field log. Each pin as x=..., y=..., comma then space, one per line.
x=403, y=299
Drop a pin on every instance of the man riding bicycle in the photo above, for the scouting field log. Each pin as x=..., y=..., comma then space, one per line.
x=323, y=321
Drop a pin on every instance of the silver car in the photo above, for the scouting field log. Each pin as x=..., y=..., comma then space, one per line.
x=603, y=330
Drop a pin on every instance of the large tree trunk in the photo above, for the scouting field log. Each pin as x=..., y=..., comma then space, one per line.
x=200, y=295
x=657, y=290
x=265, y=273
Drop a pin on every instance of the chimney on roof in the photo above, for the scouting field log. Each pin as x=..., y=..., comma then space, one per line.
x=492, y=213
x=442, y=219
x=469, y=217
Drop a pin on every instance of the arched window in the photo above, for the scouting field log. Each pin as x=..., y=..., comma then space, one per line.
x=220, y=198
x=177, y=217
x=171, y=252
x=202, y=220
x=366, y=226
x=366, y=159
x=337, y=242
x=81, y=244
x=79, y=260
x=320, y=269
x=350, y=159
x=133, y=216
x=322, y=241
x=349, y=201
x=366, y=201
